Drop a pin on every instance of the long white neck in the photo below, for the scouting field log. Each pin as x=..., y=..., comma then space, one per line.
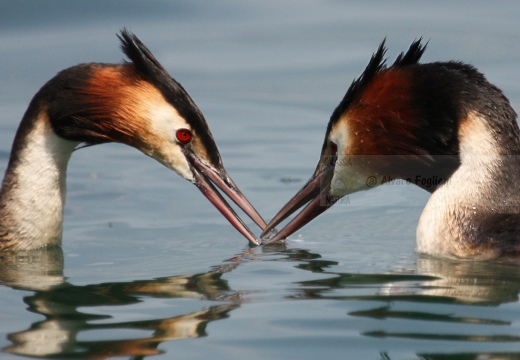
x=469, y=215
x=33, y=191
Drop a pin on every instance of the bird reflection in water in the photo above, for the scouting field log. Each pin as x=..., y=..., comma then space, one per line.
x=59, y=302
x=436, y=291
x=386, y=297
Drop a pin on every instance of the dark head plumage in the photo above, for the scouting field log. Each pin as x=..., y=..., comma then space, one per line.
x=390, y=110
x=151, y=70
x=376, y=64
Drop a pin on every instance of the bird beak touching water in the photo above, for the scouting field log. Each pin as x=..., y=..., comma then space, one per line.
x=316, y=192
x=206, y=178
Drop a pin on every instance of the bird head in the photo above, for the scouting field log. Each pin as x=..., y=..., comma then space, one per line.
x=393, y=122
x=139, y=104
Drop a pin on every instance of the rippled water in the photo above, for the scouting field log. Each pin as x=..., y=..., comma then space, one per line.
x=149, y=267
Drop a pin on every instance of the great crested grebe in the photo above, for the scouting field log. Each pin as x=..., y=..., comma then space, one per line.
x=441, y=126
x=135, y=103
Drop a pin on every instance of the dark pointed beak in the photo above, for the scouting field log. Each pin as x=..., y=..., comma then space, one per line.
x=206, y=178
x=316, y=192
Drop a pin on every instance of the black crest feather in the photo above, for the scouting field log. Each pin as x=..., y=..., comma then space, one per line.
x=412, y=56
x=376, y=64
x=140, y=56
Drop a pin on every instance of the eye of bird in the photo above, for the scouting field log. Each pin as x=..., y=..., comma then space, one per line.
x=183, y=135
x=333, y=148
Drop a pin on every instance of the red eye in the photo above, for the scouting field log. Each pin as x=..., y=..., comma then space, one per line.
x=333, y=148
x=183, y=135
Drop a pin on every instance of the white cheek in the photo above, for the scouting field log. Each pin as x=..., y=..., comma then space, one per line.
x=348, y=179
x=173, y=158
x=164, y=123
x=165, y=120
x=347, y=175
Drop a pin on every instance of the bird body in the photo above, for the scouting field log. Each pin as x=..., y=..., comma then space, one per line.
x=441, y=126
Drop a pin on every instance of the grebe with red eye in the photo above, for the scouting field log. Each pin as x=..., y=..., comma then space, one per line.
x=135, y=103
x=183, y=135
x=410, y=121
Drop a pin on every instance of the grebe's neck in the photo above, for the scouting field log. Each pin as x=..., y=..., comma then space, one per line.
x=33, y=190
x=476, y=212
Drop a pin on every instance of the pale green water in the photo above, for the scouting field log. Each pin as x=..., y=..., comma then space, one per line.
x=148, y=266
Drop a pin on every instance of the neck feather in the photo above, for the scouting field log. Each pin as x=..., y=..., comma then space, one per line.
x=470, y=213
x=33, y=191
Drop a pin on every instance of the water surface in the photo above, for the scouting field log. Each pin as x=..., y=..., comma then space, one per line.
x=149, y=267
